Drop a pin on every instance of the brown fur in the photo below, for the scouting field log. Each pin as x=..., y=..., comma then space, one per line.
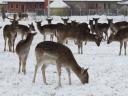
x=63, y=57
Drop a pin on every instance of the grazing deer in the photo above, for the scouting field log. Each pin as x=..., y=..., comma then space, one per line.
x=9, y=32
x=47, y=29
x=24, y=30
x=121, y=36
x=22, y=50
x=49, y=52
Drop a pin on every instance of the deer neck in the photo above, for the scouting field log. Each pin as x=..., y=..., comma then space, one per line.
x=76, y=68
x=28, y=41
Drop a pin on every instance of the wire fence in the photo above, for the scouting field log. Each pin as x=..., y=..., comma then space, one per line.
x=78, y=12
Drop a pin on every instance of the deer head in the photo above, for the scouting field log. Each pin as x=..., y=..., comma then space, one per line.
x=98, y=39
x=84, y=77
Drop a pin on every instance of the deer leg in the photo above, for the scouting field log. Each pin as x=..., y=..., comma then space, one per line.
x=125, y=46
x=121, y=44
x=69, y=75
x=19, y=64
x=81, y=44
x=43, y=73
x=9, y=45
x=78, y=44
x=13, y=45
x=36, y=68
x=59, y=74
x=5, y=44
x=24, y=67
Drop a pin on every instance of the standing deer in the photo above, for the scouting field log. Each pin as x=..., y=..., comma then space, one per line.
x=9, y=32
x=118, y=25
x=22, y=50
x=23, y=30
x=49, y=20
x=101, y=28
x=121, y=36
x=49, y=52
x=79, y=32
x=47, y=29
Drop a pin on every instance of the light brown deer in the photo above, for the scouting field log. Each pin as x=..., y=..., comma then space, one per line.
x=49, y=52
x=122, y=37
x=79, y=33
x=22, y=50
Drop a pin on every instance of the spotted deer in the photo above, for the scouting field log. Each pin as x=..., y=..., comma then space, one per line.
x=22, y=50
x=49, y=52
x=121, y=36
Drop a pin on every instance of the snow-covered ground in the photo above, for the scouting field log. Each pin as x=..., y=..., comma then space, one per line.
x=108, y=72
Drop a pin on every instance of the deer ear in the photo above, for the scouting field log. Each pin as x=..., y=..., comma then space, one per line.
x=82, y=70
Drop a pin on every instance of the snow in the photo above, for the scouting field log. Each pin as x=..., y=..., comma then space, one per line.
x=58, y=4
x=108, y=72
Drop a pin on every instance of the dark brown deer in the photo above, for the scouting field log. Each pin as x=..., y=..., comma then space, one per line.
x=101, y=28
x=10, y=33
x=22, y=50
x=49, y=52
x=49, y=20
x=65, y=20
x=121, y=36
x=23, y=30
x=47, y=29
x=118, y=25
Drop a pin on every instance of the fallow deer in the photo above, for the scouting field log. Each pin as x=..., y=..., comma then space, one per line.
x=49, y=52
x=22, y=50
x=118, y=25
x=9, y=33
x=80, y=33
x=121, y=36
x=47, y=29
x=49, y=20
x=24, y=30
x=101, y=28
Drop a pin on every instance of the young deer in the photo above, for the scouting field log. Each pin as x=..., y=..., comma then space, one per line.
x=121, y=36
x=22, y=50
x=49, y=52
